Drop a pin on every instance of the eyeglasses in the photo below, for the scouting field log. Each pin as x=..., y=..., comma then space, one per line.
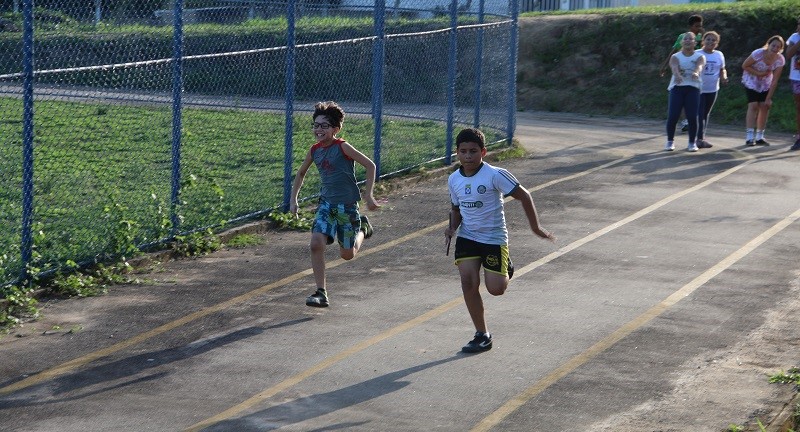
x=316, y=125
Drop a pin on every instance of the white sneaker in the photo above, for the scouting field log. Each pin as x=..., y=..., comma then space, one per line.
x=692, y=147
x=669, y=146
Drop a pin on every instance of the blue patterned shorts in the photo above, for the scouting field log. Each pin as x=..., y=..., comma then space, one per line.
x=340, y=221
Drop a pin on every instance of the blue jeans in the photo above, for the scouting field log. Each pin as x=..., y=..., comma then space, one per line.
x=686, y=98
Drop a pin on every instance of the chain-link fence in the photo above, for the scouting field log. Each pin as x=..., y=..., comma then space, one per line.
x=125, y=123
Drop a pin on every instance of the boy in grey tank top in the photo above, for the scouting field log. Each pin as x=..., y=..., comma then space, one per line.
x=337, y=216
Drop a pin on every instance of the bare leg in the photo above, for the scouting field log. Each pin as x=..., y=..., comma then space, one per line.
x=496, y=283
x=752, y=113
x=763, y=113
x=470, y=284
x=318, y=243
x=349, y=254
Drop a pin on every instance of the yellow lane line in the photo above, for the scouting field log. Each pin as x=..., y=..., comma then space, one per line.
x=513, y=404
x=330, y=361
x=647, y=210
x=73, y=364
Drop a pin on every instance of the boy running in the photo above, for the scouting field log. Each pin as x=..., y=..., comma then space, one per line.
x=337, y=215
x=477, y=217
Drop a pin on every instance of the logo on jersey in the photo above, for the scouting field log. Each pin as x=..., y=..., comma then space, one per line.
x=481, y=189
x=468, y=189
x=472, y=204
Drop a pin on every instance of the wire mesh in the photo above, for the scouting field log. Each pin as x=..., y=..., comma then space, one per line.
x=104, y=108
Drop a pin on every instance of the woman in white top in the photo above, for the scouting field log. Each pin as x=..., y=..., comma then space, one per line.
x=713, y=73
x=793, y=55
x=684, y=90
x=760, y=73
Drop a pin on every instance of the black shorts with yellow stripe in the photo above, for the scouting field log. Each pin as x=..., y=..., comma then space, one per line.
x=494, y=258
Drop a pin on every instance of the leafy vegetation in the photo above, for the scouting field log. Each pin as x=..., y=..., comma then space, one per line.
x=244, y=240
x=102, y=173
x=612, y=57
x=303, y=221
x=792, y=376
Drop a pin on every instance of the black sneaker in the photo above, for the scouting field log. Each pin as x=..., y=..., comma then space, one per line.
x=701, y=143
x=750, y=143
x=796, y=145
x=762, y=142
x=480, y=343
x=685, y=126
x=318, y=299
x=366, y=227
x=510, y=269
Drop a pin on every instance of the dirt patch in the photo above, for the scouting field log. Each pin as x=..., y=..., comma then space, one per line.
x=720, y=385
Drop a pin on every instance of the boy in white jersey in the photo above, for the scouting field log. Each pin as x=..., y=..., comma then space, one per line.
x=337, y=215
x=477, y=218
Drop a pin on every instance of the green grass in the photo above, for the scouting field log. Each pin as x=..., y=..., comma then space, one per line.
x=244, y=240
x=102, y=172
x=612, y=61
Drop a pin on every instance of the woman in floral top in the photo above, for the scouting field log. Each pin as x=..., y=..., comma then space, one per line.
x=760, y=74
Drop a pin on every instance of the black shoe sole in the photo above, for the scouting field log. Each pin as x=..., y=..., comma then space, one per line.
x=364, y=224
x=466, y=350
x=315, y=304
x=319, y=304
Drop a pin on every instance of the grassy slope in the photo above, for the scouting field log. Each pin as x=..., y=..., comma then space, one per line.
x=608, y=62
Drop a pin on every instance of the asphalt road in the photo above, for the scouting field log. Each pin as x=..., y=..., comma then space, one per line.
x=669, y=296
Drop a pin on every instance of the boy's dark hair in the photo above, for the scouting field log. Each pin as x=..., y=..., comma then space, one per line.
x=471, y=135
x=695, y=18
x=331, y=110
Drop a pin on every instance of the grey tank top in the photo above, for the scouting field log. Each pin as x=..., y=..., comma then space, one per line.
x=337, y=174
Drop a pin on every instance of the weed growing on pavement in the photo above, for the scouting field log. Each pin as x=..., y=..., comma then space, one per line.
x=244, y=240
x=792, y=376
x=19, y=304
x=514, y=152
x=302, y=222
x=735, y=428
x=196, y=243
x=89, y=282
x=763, y=428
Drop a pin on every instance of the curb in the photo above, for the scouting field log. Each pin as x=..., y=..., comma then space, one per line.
x=785, y=420
x=262, y=226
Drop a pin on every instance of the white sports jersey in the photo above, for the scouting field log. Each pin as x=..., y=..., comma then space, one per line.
x=480, y=200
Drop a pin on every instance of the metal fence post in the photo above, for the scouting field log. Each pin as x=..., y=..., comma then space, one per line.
x=451, y=80
x=26, y=243
x=98, y=12
x=378, y=53
x=512, y=70
x=479, y=66
x=288, y=157
x=177, y=88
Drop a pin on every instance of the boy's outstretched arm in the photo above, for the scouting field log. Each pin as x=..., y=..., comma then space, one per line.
x=455, y=221
x=367, y=163
x=524, y=197
x=298, y=182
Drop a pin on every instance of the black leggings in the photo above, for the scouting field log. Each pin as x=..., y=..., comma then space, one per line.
x=706, y=103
